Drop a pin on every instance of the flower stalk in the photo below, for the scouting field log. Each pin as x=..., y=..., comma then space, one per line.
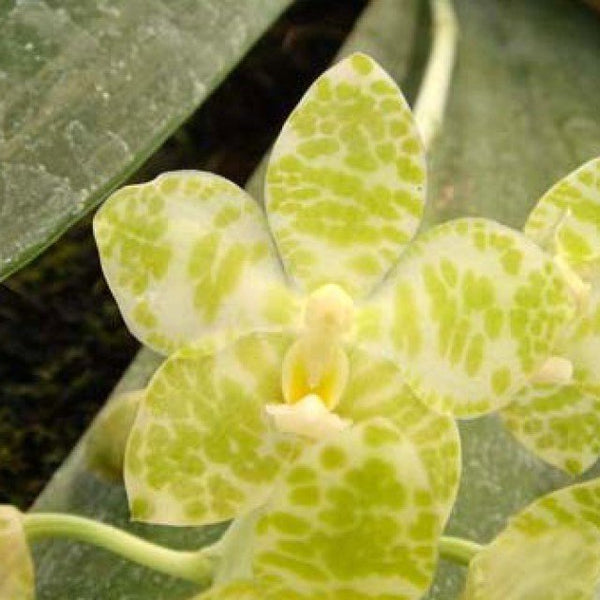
x=196, y=566
x=433, y=93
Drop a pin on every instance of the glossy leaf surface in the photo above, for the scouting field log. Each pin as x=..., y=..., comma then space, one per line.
x=472, y=310
x=188, y=256
x=353, y=517
x=202, y=449
x=88, y=91
x=345, y=185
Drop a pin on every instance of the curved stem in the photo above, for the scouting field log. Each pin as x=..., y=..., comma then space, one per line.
x=458, y=550
x=431, y=101
x=195, y=566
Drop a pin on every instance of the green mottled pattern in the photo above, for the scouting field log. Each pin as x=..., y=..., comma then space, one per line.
x=345, y=185
x=238, y=590
x=201, y=449
x=376, y=388
x=475, y=303
x=16, y=566
x=559, y=423
x=566, y=220
x=549, y=551
x=354, y=517
x=582, y=345
x=189, y=255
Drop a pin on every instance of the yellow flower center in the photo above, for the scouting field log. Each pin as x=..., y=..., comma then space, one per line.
x=315, y=367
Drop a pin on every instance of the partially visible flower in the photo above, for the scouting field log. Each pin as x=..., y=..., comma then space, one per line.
x=16, y=565
x=560, y=420
x=551, y=549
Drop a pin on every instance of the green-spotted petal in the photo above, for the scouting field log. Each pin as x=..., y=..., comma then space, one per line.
x=16, y=566
x=251, y=590
x=550, y=551
x=345, y=186
x=189, y=255
x=582, y=345
x=201, y=449
x=354, y=517
x=376, y=388
x=238, y=590
x=560, y=424
x=566, y=220
x=472, y=311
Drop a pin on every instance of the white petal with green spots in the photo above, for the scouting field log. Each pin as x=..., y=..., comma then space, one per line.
x=566, y=220
x=353, y=517
x=582, y=345
x=189, y=255
x=202, y=449
x=345, y=185
x=16, y=566
x=472, y=310
x=376, y=388
x=549, y=551
x=560, y=424
x=238, y=590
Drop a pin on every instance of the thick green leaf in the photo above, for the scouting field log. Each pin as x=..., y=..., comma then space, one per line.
x=550, y=550
x=345, y=185
x=16, y=566
x=89, y=90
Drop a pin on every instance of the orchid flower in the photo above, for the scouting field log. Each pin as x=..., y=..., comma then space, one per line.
x=560, y=420
x=317, y=354
x=550, y=550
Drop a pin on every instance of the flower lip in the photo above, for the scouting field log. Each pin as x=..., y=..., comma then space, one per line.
x=309, y=417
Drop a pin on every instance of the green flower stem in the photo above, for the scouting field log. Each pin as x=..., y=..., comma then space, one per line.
x=197, y=566
x=433, y=93
x=458, y=550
